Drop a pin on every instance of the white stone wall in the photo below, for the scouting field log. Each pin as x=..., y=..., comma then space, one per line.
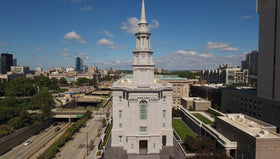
x=131, y=121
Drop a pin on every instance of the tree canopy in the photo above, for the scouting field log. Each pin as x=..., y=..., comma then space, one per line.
x=183, y=74
x=63, y=81
x=86, y=81
x=20, y=87
x=43, y=100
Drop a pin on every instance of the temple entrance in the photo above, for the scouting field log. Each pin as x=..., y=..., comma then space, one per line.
x=164, y=140
x=143, y=146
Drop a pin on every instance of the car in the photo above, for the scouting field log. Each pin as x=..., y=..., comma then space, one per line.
x=57, y=129
x=27, y=143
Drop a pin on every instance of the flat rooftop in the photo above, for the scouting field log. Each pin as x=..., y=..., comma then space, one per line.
x=253, y=128
x=195, y=99
x=246, y=91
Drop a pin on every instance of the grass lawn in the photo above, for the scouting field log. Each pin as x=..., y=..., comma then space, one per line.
x=202, y=118
x=181, y=129
x=213, y=113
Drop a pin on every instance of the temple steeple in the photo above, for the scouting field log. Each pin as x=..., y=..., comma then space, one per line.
x=143, y=65
x=143, y=16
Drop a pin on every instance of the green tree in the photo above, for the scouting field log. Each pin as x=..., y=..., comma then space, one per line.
x=9, y=102
x=16, y=122
x=63, y=81
x=43, y=100
x=86, y=81
x=42, y=81
x=6, y=113
x=2, y=89
x=20, y=87
x=54, y=85
x=9, y=109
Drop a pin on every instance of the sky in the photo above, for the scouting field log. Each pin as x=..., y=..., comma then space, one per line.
x=186, y=34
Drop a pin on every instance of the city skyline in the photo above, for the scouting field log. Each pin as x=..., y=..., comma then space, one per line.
x=186, y=35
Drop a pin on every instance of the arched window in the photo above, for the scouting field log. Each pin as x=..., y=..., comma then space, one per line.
x=143, y=109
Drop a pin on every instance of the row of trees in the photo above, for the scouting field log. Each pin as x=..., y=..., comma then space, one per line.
x=13, y=111
x=28, y=87
x=183, y=74
x=109, y=78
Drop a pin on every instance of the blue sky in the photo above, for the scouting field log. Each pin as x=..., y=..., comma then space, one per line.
x=186, y=34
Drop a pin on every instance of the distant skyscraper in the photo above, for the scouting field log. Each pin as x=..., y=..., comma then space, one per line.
x=251, y=63
x=269, y=49
x=6, y=62
x=14, y=62
x=79, y=64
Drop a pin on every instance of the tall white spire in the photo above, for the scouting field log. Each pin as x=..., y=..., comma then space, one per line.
x=143, y=16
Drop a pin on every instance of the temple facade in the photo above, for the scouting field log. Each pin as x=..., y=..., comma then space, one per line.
x=142, y=107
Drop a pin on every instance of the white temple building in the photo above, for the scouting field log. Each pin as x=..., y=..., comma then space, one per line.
x=142, y=107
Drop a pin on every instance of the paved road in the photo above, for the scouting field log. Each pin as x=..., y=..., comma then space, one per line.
x=77, y=148
x=23, y=152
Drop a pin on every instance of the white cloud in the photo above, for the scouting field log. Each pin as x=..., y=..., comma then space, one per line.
x=131, y=25
x=118, y=64
x=187, y=53
x=188, y=60
x=108, y=33
x=74, y=36
x=83, y=56
x=226, y=47
x=3, y=44
x=86, y=8
x=63, y=55
x=229, y=49
x=37, y=48
x=153, y=25
x=182, y=60
x=103, y=42
x=246, y=17
x=115, y=47
x=66, y=50
x=124, y=46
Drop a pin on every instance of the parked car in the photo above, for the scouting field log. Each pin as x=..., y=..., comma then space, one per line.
x=27, y=143
x=57, y=129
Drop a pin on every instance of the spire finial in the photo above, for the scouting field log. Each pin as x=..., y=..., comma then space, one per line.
x=143, y=16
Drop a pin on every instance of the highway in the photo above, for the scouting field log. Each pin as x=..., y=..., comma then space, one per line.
x=77, y=148
x=38, y=141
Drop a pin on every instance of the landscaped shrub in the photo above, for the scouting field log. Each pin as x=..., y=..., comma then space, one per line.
x=5, y=130
x=62, y=140
x=51, y=152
